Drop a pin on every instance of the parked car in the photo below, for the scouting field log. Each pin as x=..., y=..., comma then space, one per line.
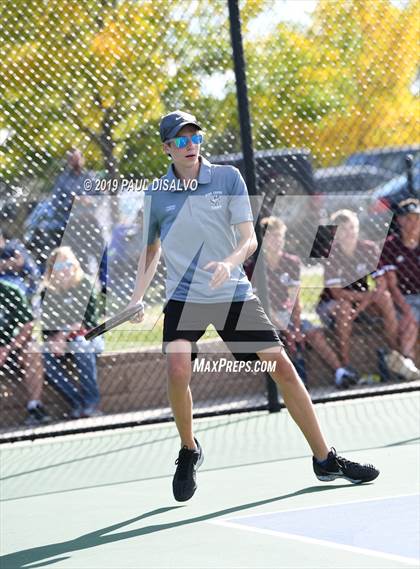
x=349, y=179
x=392, y=158
x=284, y=172
x=385, y=200
x=341, y=187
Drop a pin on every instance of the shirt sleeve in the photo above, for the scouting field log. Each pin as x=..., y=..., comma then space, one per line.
x=249, y=266
x=387, y=260
x=239, y=204
x=294, y=272
x=332, y=273
x=21, y=309
x=151, y=228
x=8, y=251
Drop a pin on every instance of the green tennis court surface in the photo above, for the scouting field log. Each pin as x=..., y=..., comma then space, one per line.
x=105, y=500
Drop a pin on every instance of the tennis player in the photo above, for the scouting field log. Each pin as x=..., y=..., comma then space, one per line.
x=211, y=208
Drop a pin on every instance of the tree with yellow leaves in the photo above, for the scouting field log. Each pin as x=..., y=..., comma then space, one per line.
x=99, y=75
x=344, y=84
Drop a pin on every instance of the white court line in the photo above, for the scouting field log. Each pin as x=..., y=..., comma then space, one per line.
x=313, y=541
x=326, y=505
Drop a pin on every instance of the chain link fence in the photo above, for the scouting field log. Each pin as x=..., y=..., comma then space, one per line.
x=334, y=104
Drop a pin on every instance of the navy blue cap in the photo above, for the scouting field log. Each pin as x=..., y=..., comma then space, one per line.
x=172, y=123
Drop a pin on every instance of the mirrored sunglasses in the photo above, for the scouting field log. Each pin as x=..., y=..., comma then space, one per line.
x=182, y=141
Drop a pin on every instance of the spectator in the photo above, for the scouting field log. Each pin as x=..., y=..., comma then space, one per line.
x=339, y=307
x=85, y=236
x=18, y=350
x=283, y=274
x=49, y=220
x=69, y=184
x=119, y=265
x=68, y=310
x=400, y=267
x=17, y=266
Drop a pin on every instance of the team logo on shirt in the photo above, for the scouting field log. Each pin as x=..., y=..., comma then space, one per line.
x=215, y=199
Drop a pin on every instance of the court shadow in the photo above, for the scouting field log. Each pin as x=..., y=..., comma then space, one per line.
x=41, y=556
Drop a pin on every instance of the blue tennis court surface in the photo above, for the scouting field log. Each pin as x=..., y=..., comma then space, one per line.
x=104, y=500
x=389, y=527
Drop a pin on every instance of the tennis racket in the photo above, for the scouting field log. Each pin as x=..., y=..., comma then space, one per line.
x=114, y=321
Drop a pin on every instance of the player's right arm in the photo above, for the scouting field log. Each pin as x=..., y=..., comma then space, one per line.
x=148, y=262
x=149, y=258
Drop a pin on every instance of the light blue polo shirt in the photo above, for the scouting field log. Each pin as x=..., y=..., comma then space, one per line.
x=196, y=226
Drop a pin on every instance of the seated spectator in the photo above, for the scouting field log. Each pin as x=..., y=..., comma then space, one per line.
x=339, y=307
x=399, y=266
x=283, y=279
x=18, y=350
x=68, y=311
x=85, y=236
x=17, y=266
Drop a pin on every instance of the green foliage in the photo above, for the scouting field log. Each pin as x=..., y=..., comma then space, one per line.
x=99, y=75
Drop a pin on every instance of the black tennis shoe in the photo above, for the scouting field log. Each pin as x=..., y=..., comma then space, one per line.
x=37, y=416
x=339, y=467
x=184, y=483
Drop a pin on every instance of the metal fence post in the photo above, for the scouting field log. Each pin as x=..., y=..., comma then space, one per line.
x=249, y=166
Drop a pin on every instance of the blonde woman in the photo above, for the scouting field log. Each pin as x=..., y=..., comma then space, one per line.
x=284, y=281
x=68, y=310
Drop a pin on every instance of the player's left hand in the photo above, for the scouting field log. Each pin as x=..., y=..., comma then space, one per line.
x=221, y=272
